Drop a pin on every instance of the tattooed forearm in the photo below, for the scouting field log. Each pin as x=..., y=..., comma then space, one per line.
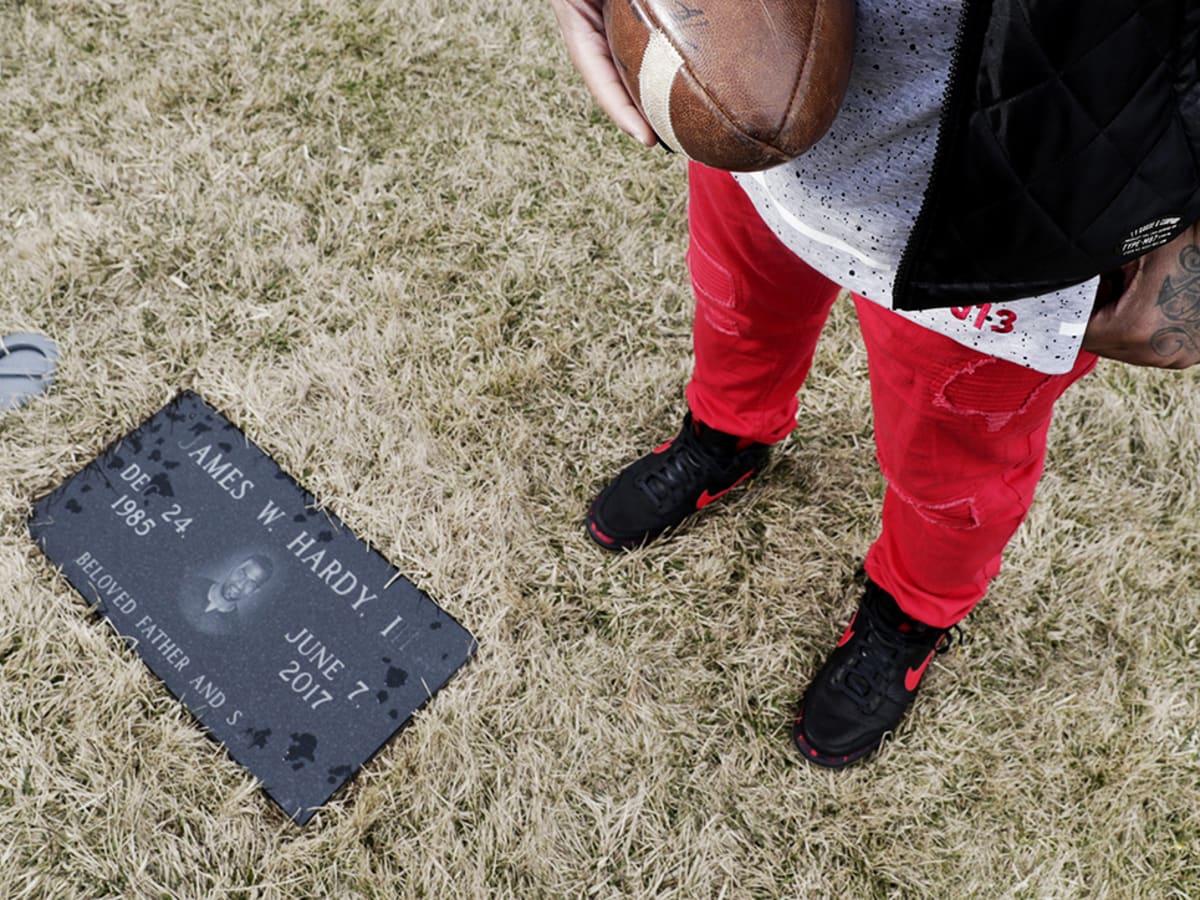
x=1179, y=302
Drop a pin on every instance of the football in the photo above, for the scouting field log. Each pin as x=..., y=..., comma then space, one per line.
x=735, y=85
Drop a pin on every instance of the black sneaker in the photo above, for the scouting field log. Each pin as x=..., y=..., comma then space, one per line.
x=867, y=683
x=660, y=490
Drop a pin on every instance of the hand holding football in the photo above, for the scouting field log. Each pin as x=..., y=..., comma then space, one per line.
x=734, y=84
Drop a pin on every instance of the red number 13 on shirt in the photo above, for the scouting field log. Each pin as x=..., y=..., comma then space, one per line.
x=1007, y=317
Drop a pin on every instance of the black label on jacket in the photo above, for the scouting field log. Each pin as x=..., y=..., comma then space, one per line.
x=1146, y=237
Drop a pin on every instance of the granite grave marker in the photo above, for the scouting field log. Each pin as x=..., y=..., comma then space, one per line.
x=297, y=645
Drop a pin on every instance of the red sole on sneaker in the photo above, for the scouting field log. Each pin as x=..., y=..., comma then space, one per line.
x=818, y=757
x=600, y=537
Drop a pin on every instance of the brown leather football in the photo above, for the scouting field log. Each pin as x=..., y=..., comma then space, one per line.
x=735, y=84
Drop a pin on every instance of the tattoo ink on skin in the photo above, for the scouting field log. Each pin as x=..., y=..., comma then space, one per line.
x=1179, y=302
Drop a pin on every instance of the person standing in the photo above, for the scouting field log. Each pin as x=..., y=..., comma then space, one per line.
x=1008, y=192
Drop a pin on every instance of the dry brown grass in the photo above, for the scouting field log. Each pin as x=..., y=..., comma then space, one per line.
x=394, y=242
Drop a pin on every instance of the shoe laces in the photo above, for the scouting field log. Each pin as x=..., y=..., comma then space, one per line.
x=680, y=467
x=883, y=653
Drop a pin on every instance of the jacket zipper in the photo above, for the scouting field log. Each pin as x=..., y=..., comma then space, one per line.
x=955, y=91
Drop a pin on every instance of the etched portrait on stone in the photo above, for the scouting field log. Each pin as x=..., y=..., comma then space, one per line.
x=219, y=607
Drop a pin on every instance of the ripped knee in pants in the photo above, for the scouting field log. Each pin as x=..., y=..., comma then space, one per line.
x=971, y=391
x=959, y=514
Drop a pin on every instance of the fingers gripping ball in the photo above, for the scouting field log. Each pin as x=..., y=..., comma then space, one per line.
x=735, y=84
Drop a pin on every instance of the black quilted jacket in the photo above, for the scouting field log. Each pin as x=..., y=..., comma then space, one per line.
x=1070, y=144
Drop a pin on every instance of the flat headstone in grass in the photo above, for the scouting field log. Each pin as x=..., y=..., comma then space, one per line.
x=297, y=645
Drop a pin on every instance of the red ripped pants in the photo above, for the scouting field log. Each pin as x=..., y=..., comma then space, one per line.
x=960, y=436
